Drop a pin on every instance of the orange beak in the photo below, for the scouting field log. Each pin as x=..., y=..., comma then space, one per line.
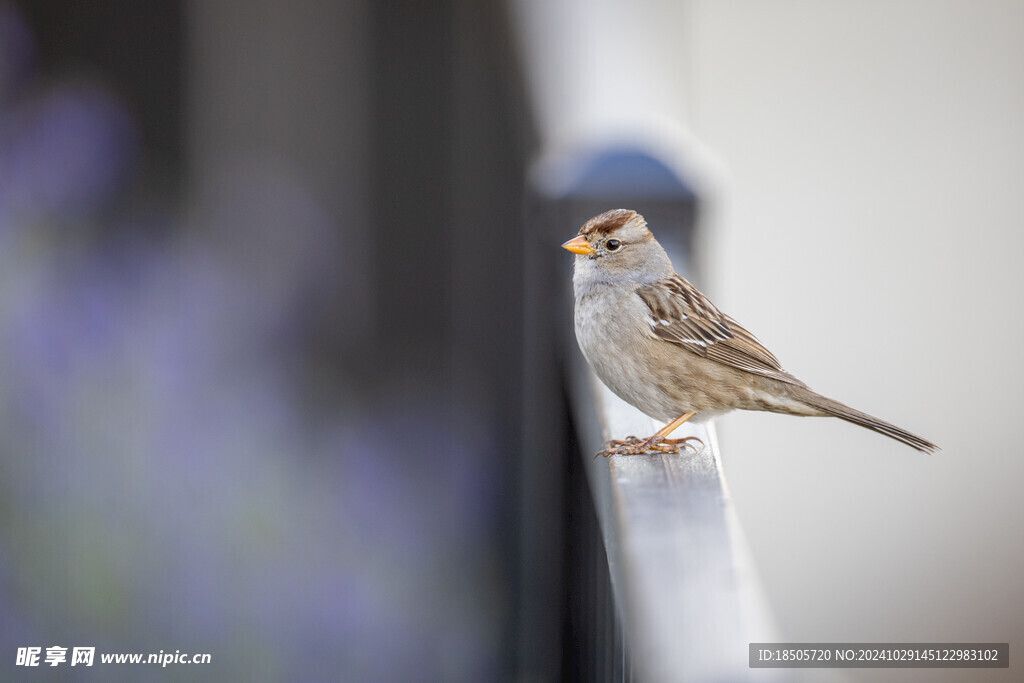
x=579, y=245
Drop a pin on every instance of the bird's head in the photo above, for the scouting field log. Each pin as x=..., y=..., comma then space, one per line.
x=617, y=246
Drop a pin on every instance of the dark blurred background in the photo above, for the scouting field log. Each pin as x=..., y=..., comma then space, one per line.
x=262, y=329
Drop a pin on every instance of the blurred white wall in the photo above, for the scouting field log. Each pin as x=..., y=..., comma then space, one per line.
x=871, y=235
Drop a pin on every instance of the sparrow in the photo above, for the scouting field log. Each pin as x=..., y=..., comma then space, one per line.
x=663, y=347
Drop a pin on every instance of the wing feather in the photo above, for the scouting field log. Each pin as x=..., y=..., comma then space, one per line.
x=680, y=314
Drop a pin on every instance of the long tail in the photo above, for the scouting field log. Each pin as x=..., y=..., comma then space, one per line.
x=845, y=412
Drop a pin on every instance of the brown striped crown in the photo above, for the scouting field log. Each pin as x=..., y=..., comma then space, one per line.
x=609, y=221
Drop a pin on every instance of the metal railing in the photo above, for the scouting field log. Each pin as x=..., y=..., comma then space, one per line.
x=656, y=584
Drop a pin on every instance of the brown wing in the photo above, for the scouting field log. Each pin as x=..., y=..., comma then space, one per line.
x=682, y=315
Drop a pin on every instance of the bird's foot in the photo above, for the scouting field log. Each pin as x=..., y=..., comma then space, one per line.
x=632, y=445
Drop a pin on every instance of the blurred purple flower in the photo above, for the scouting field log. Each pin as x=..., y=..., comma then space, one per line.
x=169, y=464
x=63, y=151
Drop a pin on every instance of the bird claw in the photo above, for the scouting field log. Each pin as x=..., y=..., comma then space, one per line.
x=631, y=445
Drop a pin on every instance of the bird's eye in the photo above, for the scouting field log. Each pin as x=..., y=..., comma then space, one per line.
x=612, y=245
